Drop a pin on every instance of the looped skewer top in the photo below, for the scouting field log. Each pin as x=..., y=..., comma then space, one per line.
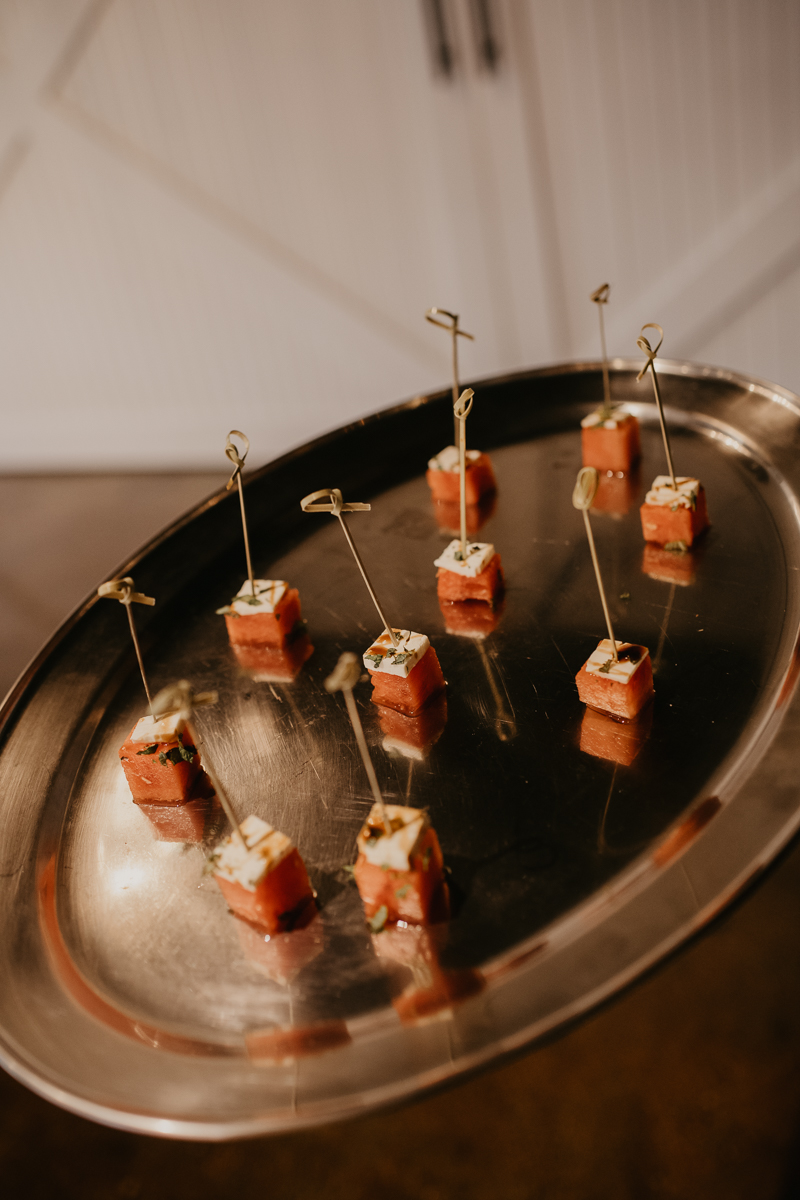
x=343, y=678
x=585, y=489
x=331, y=500
x=181, y=698
x=122, y=590
x=601, y=295
x=644, y=345
x=463, y=405
x=582, y=496
x=337, y=503
x=453, y=328
x=236, y=458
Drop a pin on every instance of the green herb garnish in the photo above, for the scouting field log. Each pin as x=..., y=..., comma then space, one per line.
x=377, y=922
x=606, y=667
x=403, y=891
x=177, y=754
x=679, y=547
x=350, y=869
x=149, y=749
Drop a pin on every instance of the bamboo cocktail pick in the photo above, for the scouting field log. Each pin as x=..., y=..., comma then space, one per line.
x=453, y=329
x=343, y=678
x=238, y=462
x=122, y=590
x=582, y=497
x=461, y=410
x=651, y=353
x=336, y=506
x=600, y=297
x=181, y=698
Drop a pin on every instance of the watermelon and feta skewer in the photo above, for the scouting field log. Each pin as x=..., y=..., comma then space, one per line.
x=445, y=476
x=674, y=512
x=159, y=761
x=617, y=677
x=399, y=871
x=609, y=435
x=467, y=570
x=258, y=870
x=264, y=612
x=403, y=664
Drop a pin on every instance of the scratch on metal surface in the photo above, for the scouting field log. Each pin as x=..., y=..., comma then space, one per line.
x=558, y=648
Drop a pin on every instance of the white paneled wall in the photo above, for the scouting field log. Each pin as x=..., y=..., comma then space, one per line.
x=235, y=212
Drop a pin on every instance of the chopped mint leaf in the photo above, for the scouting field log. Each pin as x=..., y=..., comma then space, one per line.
x=606, y=667
x=403, y=891
x=377, y=922
x=226, y=611
x=624, y=595
x=680, y=547
x=149, y=749
x=350, y=869
x=177, y=754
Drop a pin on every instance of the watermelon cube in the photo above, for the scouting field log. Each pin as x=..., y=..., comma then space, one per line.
x=620, y=688
x=404, y=677
x=400, y=877
x=270, y=618
x=159, y=762
x=671, y=517
x=610, y=440
x=265, y=881
x=443, y=476
x=479, y=576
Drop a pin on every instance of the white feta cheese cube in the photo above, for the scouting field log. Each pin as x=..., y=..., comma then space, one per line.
x=617, y=417
x=165, y=729
x=396, y=660
x=479, y=555
x=269, y=593
x=662, y=493
x=265, y=848
x=448, y=460
x=630, y=658
x=395, y=852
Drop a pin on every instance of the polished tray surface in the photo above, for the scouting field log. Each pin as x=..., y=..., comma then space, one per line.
x=132, y=995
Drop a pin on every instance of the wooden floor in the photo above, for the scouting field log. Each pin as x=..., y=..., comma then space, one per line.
x=688, y=1086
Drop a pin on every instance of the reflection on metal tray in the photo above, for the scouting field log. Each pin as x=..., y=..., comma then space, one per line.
x=574, y=843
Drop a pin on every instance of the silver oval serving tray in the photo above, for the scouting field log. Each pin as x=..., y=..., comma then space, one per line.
x=578, y=856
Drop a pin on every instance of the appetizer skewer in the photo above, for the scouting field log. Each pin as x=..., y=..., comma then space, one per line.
x=159, y=760
x=443, y=468
x=399, y=869
x=264, y=612
x=674, y=512
x=258, y=870
x=609, y=435
x=467, y=570
x=403, y=664
x=617, y=678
